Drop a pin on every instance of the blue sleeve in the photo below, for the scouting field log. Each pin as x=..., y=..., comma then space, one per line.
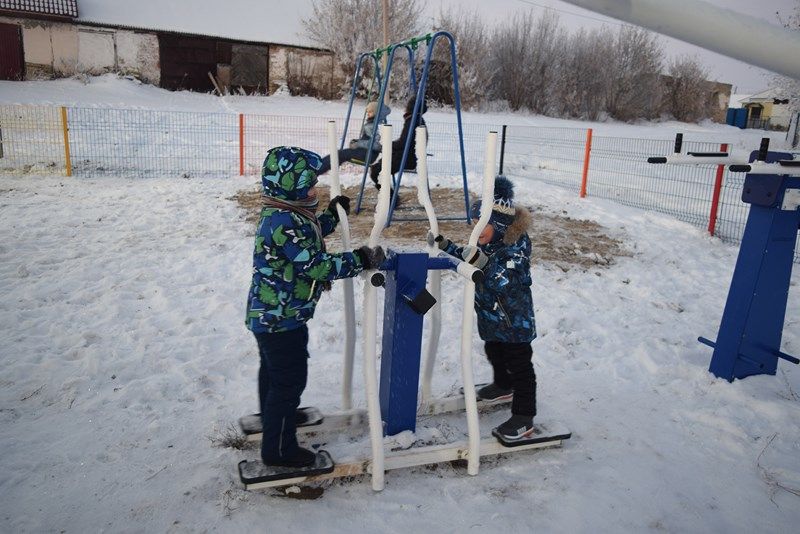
x=454, y=250
x=304, y=250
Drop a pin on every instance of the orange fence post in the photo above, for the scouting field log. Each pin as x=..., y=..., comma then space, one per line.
x=65, y=129
x=241, y=144
x=712, y=217
x=586, y=153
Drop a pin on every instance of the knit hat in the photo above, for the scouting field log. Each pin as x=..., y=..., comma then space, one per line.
x=503, y=210
x=288, y=172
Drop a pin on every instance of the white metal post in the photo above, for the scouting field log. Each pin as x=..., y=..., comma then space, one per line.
x=468, y=380
x=349, y=299
x=371, y=320
x=435, y=280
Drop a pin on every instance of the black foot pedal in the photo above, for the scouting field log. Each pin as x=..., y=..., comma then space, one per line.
x=255, y=472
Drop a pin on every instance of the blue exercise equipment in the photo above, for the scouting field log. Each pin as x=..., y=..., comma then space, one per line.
x=405, y=304
x=749, y=337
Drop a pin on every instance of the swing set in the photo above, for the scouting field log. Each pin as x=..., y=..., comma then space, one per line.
x=418, y=88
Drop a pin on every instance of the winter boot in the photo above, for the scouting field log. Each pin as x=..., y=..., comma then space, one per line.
x=299, y=458
x=494, y=393
x=517, y=428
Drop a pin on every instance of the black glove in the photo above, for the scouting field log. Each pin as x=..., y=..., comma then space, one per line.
x=371, y=258
x=442, y=242
x=342, y=201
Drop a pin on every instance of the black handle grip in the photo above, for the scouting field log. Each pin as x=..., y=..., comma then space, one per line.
x=678, y=143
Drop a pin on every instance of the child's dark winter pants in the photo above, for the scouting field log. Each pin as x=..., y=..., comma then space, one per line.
x=281, y=381
x=513, y=369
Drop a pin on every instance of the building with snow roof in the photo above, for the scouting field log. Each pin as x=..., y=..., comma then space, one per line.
x=42, y=39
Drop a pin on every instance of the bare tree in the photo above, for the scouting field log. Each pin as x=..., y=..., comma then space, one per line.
x=544, y=58
x=473, y=59
x=524, y=56
x=634, y=67
x=350, y=27
x=583, y=78
x=686, y=92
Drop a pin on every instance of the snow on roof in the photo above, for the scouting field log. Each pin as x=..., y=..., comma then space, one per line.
x=58, y=8
x=266, y=21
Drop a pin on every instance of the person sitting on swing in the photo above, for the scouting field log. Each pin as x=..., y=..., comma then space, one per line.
x=357, y=149
x=399, y=144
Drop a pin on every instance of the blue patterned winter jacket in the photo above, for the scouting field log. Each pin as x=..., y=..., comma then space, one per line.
x=290, y=264
x=503, y=300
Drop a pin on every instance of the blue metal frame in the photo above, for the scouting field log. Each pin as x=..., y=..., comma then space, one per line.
x=749, y=338
x=357, y=78
x=406, y=274
x=420, y=97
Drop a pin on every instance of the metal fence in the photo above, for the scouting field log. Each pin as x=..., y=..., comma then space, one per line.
x=123, y=142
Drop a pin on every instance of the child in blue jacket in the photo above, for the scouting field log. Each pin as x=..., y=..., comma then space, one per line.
x=290, y=270
x=504, y=306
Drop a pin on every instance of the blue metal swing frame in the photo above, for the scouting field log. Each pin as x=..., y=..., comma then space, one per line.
x=419, y=89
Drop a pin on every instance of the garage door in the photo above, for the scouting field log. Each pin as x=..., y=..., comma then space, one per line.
x=12, y=64
x=186, y=62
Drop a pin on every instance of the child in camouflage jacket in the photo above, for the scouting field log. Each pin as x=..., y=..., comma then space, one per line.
x=504, y=306
x=290, y=270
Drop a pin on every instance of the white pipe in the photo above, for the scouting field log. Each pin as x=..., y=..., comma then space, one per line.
x=760, y=167
x=470, y=400
x=686, y=159
x=462, y=267
x=721, y=30
x=349, y=299
x=371, y=320
x=435, y=280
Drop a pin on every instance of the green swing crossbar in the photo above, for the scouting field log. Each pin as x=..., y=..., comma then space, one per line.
x=413, y=43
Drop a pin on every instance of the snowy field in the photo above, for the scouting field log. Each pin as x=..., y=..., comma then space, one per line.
x=125, y=359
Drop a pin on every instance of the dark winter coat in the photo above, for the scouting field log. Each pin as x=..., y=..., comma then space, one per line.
x=290, y=264
x=399, y=144
x=503, y=300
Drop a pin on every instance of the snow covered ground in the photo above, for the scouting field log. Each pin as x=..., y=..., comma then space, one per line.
x=125, y=358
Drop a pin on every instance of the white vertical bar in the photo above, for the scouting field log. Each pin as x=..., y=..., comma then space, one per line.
x=371, y=320
x=473, y=428
x=435, y=281
x=349, y=299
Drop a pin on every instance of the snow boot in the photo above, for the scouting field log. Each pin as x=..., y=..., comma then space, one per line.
x=299, y=458
x=516, y=428
x=494, y=393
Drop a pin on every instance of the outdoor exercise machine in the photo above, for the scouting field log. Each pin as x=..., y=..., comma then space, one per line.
x=749, y=337
x=418, y=88
x=392, y=407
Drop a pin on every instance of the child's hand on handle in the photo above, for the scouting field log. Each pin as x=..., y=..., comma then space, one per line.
x=342, y=201
x=371, y=258
x=474, y=257
x=440, y=241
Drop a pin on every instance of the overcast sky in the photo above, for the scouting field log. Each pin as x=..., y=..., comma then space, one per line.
x=279, y=21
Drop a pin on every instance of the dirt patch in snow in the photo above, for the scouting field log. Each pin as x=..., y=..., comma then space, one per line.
x=557, y=239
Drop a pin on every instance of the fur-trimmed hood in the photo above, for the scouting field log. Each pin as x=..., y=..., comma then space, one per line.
x=521, y=225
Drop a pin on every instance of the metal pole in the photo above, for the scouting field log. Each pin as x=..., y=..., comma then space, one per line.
x=349, y=299
x=721, y=30
x=385, y=4
x=502, y=148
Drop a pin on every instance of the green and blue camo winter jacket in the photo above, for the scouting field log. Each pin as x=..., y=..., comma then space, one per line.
x=503, y=300
x=290, y=264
